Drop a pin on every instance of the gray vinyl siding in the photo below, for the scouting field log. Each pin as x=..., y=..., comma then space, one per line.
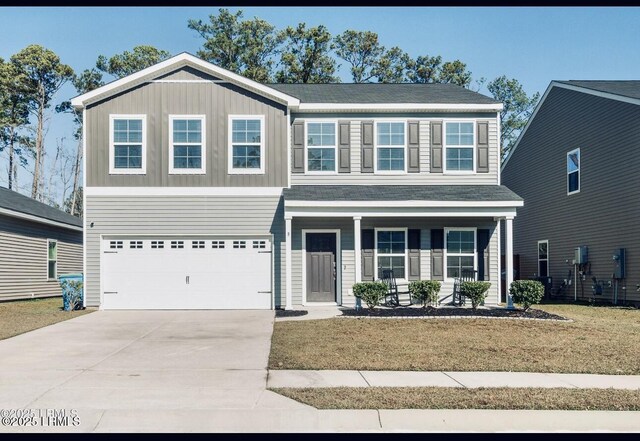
x=605, y=214
x=345, y=225
x=183, y=215
x=23, y=258
x=214, y=100
x=424, y=177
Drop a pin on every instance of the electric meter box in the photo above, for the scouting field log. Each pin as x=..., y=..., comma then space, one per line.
x=619, y=261
x=581, y=255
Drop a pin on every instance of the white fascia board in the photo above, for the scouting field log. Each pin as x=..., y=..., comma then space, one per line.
x=403, y=213
x=575, y=88
x=185, y=58
x=349, y=107
x=407, y=204
x=183, y=191
x=38, y=219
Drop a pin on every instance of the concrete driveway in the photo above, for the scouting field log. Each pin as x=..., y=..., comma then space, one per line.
x=146, y=371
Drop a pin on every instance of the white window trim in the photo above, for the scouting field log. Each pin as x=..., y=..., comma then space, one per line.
x=55, y=277
x=376, y=147
x=112, y=162
x=475, y=249
x=335, y=147
x=578, y=171
x=263, y=156
x=406, y=252
x=203, y=141
x=473, y=147
x=547, y=259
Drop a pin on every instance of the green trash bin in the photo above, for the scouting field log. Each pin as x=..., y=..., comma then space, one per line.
x=72, y=291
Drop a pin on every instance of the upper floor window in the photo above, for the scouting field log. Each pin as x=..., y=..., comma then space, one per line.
x=246, y=144
x=127, y=147
x=459, y=146
x=461, y=252
x=573, y=171
x=187, y=146
x=321, y=146
x=390, y=146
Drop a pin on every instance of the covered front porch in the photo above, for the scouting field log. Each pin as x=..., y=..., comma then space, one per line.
x=339, y=235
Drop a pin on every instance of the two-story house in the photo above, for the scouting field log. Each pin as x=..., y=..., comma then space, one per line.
x=208, y=190
x=575, y=165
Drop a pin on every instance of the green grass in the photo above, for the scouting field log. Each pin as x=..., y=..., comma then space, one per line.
x=20, y=316
x=600, y=340
x=461, y=398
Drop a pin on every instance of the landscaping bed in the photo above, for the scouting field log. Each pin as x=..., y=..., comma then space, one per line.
x=451, y=312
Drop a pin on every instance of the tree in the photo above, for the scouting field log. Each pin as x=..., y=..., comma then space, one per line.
x=126, y=63
x=362, y=51
x=306, y=57
x=73, y=205
x=455, y=72
x=246, y=47
x=14, y=113
x=427, y=69
x=41, y=75
x=392, y=66
x=518, y=107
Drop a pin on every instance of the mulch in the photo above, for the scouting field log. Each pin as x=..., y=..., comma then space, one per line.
x=451, y=312
x=290, y=313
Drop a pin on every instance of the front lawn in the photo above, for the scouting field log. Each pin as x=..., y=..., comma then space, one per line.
x=461, y=398
x=599, y=340
x=22, y=316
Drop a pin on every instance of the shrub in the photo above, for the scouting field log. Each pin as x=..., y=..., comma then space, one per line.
x=526, y=292
x=371, y=293
x=475, y=291
x=425, y=291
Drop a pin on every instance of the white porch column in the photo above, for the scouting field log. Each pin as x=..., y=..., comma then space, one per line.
x=508, y=258
x=357, y=247
x=287, y=283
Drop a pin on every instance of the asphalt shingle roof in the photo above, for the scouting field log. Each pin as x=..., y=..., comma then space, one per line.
x=376, y=93
x=399, y=193
x=628, y=88
x=12, y=200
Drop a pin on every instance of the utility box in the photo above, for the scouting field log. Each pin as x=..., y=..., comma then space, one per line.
x=581, y=255
x=618, y=263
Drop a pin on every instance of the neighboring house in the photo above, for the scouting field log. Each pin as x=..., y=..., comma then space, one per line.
x=38, y=243
x=575, y=164
x=208, y=190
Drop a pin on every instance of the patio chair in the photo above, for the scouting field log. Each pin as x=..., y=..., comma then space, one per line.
x=391, y=298
x=465, y=276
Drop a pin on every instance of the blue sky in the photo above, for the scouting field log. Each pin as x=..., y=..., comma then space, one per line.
x=534, y=45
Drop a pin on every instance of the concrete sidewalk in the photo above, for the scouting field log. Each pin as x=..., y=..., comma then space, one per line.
x=354, y=378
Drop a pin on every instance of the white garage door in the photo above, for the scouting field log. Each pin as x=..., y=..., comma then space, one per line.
x=186, y=273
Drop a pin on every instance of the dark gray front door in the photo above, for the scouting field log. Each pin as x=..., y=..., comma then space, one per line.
x=321, y=267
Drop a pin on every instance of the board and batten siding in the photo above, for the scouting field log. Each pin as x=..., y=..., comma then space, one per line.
x=605, y=214
x=424, y=177
x=164, y=216
x=23, y=258
x=159, y=100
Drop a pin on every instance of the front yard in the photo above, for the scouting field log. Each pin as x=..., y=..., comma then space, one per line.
x=21, y=316
x=599, y=340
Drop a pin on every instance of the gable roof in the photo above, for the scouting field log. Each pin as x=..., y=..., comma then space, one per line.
x=623, y=88
x=175, y=62
x=376, y=93
x=15, y=204
x=313, y=97
x=627, y=91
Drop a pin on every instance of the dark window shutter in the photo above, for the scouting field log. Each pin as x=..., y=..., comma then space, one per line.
x=344, y=147
x=366, y=166
x=368, y=244
x=297, y=147
x=483, y=147
x=413, y=165
x=413, y=247
x=436, y=146
x=437, y=254
x=483, y=254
